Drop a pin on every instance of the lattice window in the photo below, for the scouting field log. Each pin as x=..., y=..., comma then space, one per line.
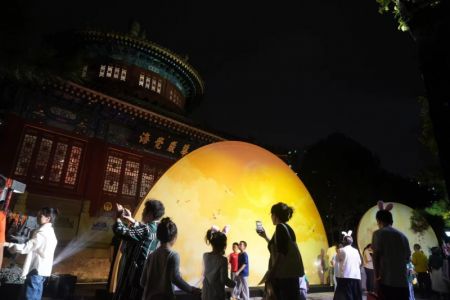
x=116, y=72
x=141, y=80
x=130, y=178
x=109, y=71
x=123, y=75
x=153, y=85
x=147, y=180
x=159, y=86
x=49, y=158
x=147, y=82
x=58, y=163
x=73, y=165
x=112, y=177
x=102, y=71
x=26, y=151
x=84, y=71
x=42, y=159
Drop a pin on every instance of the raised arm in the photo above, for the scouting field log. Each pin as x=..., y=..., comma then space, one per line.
x=262, y=233
x=33, y=244
x=137, y=231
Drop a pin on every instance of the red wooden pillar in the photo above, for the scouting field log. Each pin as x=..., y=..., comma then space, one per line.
x=10, y=133
x=95, y=168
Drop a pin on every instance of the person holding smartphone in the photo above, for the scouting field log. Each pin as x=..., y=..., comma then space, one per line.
x=285, y=264
x=138, y=241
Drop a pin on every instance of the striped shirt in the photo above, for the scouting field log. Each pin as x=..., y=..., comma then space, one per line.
x=138, y=241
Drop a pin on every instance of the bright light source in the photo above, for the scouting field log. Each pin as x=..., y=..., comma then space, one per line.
x=447, y=233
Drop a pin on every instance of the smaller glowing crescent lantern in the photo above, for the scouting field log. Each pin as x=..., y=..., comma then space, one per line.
x=235, y=183
x=401, y=215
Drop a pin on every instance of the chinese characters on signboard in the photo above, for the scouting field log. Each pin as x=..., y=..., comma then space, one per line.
x=161, y=143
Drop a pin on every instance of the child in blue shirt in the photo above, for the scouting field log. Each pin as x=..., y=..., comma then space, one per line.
x=242, y=291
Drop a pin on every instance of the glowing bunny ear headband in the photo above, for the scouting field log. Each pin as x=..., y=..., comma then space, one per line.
x=381, y=206
x=215, y=228
x=348, y=233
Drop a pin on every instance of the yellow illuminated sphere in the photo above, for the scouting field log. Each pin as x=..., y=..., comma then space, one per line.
x=401, y=215
x=235, y=183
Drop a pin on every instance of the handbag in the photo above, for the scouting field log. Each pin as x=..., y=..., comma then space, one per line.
x=292, y=265
x=269, y=293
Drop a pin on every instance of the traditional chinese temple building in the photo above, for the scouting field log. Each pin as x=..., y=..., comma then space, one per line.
x=95, y=126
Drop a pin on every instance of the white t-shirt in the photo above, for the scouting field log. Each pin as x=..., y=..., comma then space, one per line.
x=349, y=263
x=40, y=250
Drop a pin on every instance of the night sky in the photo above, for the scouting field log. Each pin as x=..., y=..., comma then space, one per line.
x=285, y=74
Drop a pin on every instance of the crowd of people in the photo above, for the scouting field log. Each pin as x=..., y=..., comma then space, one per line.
x=389, y=267
x=149, y=266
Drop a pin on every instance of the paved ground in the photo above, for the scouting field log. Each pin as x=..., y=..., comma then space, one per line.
x=88, y=292
x=329, y=296
x=322, y=296
x=314, y=296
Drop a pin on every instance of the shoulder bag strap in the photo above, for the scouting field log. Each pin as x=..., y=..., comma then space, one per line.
x=287, y=230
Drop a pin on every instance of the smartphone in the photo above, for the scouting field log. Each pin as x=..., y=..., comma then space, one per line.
x=259, y=227
x=125, y=213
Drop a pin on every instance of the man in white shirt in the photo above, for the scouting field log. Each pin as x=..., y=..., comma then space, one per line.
x=348, y=272
x=40, y=250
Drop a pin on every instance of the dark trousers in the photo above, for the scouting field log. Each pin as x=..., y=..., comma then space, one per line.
x=424, y=282
x=386, y=292
x=287, y=288
x=348, y=289
x=370, y=280
x=33, y=286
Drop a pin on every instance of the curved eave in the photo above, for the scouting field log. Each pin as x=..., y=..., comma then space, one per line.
x=148, y=46
x=92, y=96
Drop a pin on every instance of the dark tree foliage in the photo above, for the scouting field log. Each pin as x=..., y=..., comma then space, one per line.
x=428, y=23
x=345, y=180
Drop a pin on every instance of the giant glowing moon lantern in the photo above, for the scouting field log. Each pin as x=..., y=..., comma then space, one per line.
x=402, y=221
x=235, y=183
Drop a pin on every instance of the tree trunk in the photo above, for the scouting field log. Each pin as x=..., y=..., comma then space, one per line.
x=430, y=29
